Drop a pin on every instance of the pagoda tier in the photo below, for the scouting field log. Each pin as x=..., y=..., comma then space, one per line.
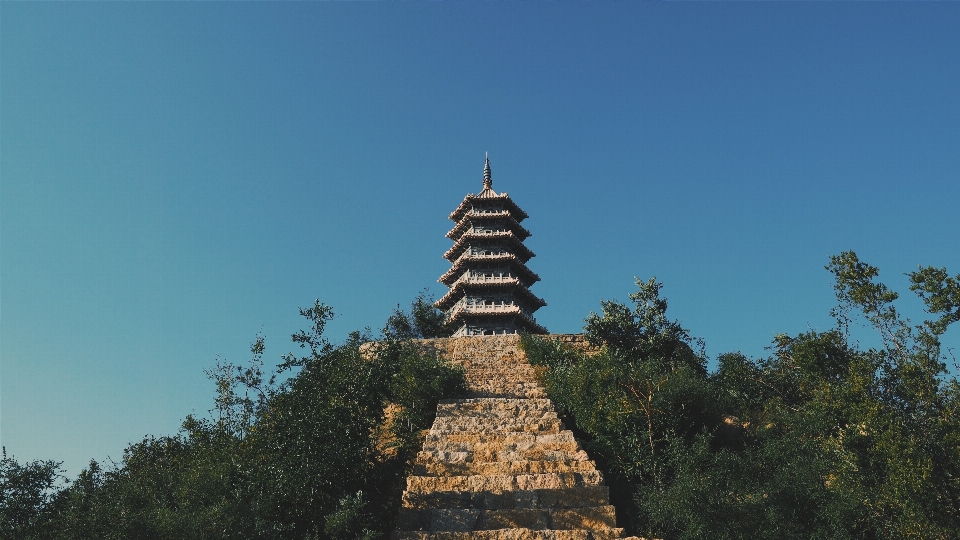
x=487, y=283
x=489, y=242
x=489, y=280
x=484, y=200
x=477, y=320
x=486, y=222
x=468, y=261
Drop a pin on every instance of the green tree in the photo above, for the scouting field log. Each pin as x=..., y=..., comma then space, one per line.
x=820, y=440
x=313, y=456
x=319, y=437
x=642, y=392
x=26, y=494
x=904, y=459
x=422, y=321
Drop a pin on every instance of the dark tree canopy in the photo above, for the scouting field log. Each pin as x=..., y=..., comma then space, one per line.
x=822, y=439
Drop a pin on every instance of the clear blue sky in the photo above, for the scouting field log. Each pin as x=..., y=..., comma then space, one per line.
x=175, y=177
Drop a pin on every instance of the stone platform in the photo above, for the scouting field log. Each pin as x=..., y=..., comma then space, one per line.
x=498, y=464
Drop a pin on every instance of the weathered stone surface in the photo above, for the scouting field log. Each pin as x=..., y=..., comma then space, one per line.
x=470, y=519
x=577, y=497
x=513, y=534
x=501, y=467
x=502, y=482
x=499, y=464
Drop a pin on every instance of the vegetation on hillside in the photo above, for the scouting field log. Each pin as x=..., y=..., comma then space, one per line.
x=321, y=455
x=821, y=440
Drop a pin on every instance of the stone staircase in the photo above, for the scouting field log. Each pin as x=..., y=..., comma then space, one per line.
x=499, y=465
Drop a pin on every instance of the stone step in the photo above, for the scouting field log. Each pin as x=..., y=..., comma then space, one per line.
x=486, y=384
x=479, y=383
x=511, y=534
x=495, y=447
x=492, y=419
x=497, y=390
x=494, y=406
x=506, y=393
x=502, y=482
x=496, y=357
x=460, y=451
x=497, y=352
x=504, y=364
x=498, y=370
x=497, y=415
x=504, y=370
x=501, y=468
x=541, y=402
x=505, y=412
x=505, y=424
x=504, y=438
x=471, y=519
x=575, y=497
x=467, y=426
x=534, y=454
x=500, y=378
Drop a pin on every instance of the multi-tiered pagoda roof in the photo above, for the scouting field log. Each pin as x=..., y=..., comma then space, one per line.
x=489, y=281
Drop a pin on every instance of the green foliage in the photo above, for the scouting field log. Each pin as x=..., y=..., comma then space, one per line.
x=315, y=456
x=820, y=440
x=423, y=320
x=346, y=523
x=909, y=428
x=26, y=494
x=419, y=381
x=645, y=391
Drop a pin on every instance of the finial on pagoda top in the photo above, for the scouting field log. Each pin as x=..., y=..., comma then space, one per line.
x=487, y=181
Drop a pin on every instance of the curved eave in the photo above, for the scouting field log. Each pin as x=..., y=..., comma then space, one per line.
x=509, y=205
x=465, y=262
x=463, y=242
x=533, y=327
x=475, y=217
x=460, y=289
x=526, y=321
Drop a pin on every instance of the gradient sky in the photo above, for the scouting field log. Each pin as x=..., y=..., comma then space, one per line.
x=175, y=177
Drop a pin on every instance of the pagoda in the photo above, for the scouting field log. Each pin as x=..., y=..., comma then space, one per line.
x=489, y=281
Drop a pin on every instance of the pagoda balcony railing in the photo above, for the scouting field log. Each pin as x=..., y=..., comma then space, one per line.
x=467, y=279
x=465, y=224
x=461, y=308
x=488, y=213
x=463, y=243
x=467, y=254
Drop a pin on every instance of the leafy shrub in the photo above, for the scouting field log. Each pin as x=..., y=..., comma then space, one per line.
x=821, y=440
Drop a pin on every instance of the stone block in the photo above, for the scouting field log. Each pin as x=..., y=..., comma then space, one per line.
x=591, y=518
x=453, y=519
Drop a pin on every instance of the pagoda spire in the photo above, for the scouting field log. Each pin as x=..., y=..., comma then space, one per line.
x=487, y=180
